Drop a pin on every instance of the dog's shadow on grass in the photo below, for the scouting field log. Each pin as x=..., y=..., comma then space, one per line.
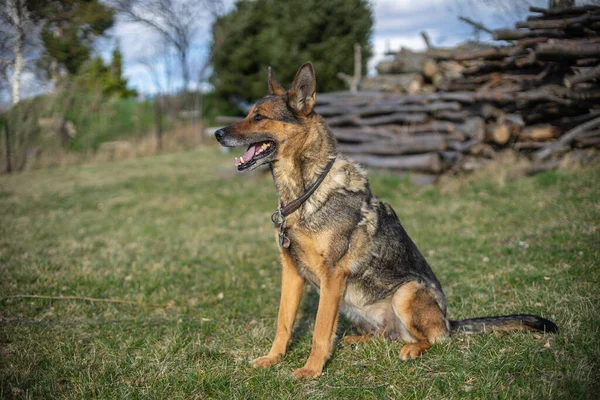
x=307, y=315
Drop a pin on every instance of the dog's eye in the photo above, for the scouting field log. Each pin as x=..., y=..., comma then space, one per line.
x=259, y=117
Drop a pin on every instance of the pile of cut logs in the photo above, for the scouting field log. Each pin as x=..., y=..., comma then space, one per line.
x=539, y=95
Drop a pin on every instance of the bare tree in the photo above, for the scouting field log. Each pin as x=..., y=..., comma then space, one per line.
x=152, y=68
x=17, y=30
x=177, y=21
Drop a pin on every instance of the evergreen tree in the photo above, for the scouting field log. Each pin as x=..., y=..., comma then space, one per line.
x=69, y=31
x=284, y=34
x=95, y=75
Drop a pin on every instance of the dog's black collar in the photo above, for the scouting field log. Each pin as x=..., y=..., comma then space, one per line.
x=282, y=212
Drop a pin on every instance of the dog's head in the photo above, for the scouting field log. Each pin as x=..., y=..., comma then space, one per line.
x=277, y=125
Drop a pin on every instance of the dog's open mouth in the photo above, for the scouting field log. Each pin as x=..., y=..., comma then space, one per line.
x=255, y=152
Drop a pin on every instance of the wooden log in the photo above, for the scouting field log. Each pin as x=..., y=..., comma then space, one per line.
x=563, y=11
x=345, y=136
x=415, y=118
x=489, y=66
x=462, y=146
x=334, y=110
x=498, y=133
x=452, y=115
x=461, y=97
x=493, y=53
x=563, y=143
x=428, y=162
x=344, y=120
x=427, y=40
x=588, y=97
x=589, y=134
x=473, y=127
x=509, y=34
x=531, y=42
x=593, y=73
x=365, y=99
x=394, y=108
x=529, y=145
x=573, y=121
x=488, y=111
x=556, y=23
x=539, y=133
x=433, y=127
x=587, y=62
x=554, y=49
x=347, y=97
x=403, y=82
x=450, y=159
x=430, y=68
x=402, y=145
x=441, y=54
x=362, y=134
x=543, y=94
x=478, y=26
x=526, y=61
x=365, y=134
x=588, y=142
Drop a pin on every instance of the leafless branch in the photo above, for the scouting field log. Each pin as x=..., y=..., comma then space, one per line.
x=176, y=21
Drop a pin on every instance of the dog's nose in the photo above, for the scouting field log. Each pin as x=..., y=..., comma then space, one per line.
x=219, y=133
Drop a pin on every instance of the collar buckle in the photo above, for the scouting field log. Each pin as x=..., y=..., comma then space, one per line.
x=277, y=217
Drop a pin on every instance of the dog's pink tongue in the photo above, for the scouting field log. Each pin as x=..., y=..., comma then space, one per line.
x=247, y=155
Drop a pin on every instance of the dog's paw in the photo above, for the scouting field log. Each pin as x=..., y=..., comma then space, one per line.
x=266, y=361
x=410, y=351
x=306, y=373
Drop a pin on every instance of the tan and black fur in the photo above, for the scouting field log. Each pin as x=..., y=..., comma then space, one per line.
x=344, y=240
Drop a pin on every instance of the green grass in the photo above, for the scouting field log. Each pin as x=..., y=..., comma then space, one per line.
x=186, y=232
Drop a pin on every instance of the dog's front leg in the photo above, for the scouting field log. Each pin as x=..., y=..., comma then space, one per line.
x=292, y=285
x=331, y=292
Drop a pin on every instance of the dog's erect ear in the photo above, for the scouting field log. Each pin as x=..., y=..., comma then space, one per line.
x=302, y=96
x=275, y=89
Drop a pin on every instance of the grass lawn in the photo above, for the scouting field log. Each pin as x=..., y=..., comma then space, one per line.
x=192, y=240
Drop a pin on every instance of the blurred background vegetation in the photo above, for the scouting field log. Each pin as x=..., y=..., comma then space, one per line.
x=82, y=107
x=67, y=66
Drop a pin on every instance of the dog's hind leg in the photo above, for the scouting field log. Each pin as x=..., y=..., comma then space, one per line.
x=421, y=320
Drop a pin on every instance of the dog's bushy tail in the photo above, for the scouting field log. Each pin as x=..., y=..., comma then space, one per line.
x=503, y=323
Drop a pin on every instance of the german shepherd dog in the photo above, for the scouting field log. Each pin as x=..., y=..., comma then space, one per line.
x=341, y=238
